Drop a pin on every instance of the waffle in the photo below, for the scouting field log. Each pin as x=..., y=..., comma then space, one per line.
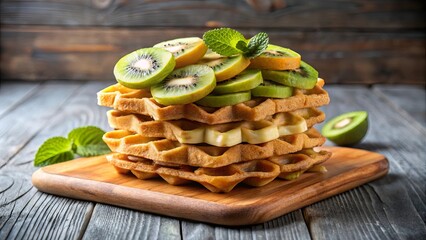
x=221, y=135
x=141, y=102
x=254, y=173
x=167, y=151
x=292, y=165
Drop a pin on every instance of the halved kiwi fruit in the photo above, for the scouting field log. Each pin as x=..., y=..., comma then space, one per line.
x=276, y=58
x=186, y=51
x=225, y=99
x=144, y=67
x=185, y=85
x=226, y=67
x=347, y=129
x=246, y=80
x=272, y=90
x=305, y=77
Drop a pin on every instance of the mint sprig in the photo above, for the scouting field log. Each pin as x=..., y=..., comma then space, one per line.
x=228, y=42
x=83, y=141
x=257, y=44
x=54, y=150
x=88, y=141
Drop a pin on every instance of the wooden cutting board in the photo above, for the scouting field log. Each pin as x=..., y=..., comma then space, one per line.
x=94, y=179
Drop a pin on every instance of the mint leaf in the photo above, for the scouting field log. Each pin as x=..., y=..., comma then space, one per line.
x=223, y=41
x=54, y=150
x=92, y=150
x=242, y=45
x=256, y=45
x=88, y=141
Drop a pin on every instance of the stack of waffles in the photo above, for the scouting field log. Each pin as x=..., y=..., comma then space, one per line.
x=252, y=142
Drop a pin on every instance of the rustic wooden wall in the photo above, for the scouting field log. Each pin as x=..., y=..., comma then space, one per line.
x=358, y=41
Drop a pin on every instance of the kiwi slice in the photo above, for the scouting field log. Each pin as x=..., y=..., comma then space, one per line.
x=144, y=67
x=186, y=51
x=225, y=99
x=226, y=67
x=210, y=55
x=185, y=85
x=305, y=77
x=272, y=90
x=276, y=58
x=246, y=80
x=347, y=129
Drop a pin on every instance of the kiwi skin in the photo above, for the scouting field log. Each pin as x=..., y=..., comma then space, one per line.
x=354, y=132
x=290, y=60
x=305, y=77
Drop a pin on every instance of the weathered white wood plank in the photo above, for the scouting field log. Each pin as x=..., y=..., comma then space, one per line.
x=110, y=222
x=289, y=226
x=409, y=99
x=26, y=213
x=32, y=115
x=389, y=208
x=14, y=93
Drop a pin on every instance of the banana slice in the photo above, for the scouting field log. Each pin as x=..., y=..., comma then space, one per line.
x=191, y=136
x=259, y=132
x=290, y=124
x=221, y=135
x=223, y=139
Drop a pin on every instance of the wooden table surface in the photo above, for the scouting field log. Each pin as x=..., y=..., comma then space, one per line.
x=393, y=207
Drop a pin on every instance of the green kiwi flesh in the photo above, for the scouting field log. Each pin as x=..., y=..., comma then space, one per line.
x=210, y=55
x=246, y=80
x=225, y=99
x=226, y=67
x=144, y=67
x=347, y=129
x=179, y=46
x=275, y=51
x=185, y=85
x=272, y=90
x=304, y=77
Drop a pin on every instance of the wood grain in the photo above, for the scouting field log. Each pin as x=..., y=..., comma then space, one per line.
x=129, y=224
x=90, y=53
x=288, y=226
x=302, y=14
x=53, y=109
x=11, y=95
x=409, y=100
x=17, y=131
x=376, y=210
x=96, y=180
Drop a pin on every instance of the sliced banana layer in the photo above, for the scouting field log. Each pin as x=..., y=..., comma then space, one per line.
x=221, y=135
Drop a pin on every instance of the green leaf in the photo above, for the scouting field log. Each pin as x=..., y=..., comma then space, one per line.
x=54, y=150
x=92, y=150
x=224, y=41
x=242, y=45
x=88, y=141
x=257, y=45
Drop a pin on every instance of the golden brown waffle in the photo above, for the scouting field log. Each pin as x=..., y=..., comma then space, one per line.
x=221, y=135
x=140, y=102
x=254, y=173
x=167, y=151
x=292, y=165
